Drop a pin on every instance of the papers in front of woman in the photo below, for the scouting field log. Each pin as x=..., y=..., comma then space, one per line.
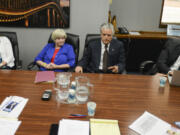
x=149, y=124
x=12, y=106
x=10, y=109
x=73, y=127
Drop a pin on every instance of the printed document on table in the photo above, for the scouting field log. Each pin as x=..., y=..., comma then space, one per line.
x=12, y=106
x=148, y=124
x=8, y=127
x=73, y=127
x=104, y=127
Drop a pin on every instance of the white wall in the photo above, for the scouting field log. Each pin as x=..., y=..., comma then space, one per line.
x=85, y=17
x=141, y=15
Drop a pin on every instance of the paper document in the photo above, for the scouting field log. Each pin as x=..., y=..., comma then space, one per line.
x=12, y=106
x=9, y=127
x=45, y=76
x=73, y=127
x=134, y=33
x=104, y=127
x=148, y=124
x=173, y=30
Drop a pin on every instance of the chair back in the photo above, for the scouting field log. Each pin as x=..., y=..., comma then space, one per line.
x=73, y=40
x=89, y=38
x=13, y=38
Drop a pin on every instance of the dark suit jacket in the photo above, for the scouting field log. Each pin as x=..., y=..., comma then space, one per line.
x=91, y=59
x=168, y=55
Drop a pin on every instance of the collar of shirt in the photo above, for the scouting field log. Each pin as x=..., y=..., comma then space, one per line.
x=103, y=47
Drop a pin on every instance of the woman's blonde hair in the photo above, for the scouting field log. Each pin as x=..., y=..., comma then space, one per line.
x=58, y=33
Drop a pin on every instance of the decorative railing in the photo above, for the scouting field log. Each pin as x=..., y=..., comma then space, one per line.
x=16, y=10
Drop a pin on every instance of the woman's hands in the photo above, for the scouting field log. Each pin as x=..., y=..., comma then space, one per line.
x=51, y=66
x=54, y=66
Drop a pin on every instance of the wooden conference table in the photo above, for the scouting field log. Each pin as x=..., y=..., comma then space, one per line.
x=121, y=97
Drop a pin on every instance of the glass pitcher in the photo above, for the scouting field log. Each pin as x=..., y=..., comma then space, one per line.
x=84, y=89
x=61, y=86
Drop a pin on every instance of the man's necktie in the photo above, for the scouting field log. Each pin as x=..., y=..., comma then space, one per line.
x=105, y=59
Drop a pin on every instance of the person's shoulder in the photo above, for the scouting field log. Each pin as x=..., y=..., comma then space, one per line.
x=95, y=42
x=117, y=42
x=4, y=38
x=67, y=45
x=172, y=43
x=49, y=45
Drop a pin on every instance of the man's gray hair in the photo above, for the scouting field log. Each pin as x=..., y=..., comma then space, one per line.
x=107, y=26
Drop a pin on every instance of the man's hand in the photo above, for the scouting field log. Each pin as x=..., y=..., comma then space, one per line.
x=79, y=69
x=114, y=69
x=3, y=63
x=170, y=73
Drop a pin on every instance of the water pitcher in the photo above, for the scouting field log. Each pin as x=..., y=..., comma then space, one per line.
x=84, y=89
x=61, y=86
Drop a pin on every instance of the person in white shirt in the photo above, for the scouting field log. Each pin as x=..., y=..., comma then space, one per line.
x=6, y=53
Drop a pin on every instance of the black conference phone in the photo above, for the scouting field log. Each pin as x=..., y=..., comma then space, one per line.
x=123, y=30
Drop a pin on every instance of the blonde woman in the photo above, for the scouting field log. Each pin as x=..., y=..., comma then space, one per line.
x=57, y=56
x=6, y=53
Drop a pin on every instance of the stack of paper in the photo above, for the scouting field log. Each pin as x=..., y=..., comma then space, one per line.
x=148, y=124
x=9, y=127
x=134, y=33
x=10, y=109
x=73, y=127
x=104, y=127
x=45, y=76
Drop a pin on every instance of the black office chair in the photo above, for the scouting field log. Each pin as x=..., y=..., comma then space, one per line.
x=13, y=38
x=150, y=67
x=71, y=39
x=89, y=38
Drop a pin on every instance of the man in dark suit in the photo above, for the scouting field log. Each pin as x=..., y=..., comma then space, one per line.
x=169, y=58
x=104, y=55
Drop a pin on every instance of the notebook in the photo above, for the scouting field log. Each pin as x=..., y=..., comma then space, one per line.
x=45, y=76
x=104, y=127
x=175, y=79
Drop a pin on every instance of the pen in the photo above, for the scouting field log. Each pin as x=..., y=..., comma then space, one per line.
x=77, y=115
